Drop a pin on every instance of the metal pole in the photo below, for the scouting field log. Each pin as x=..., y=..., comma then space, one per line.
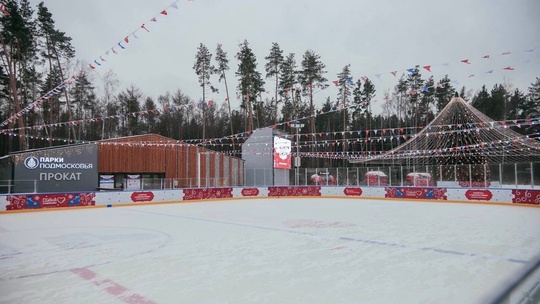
x=297, y=155
x=198, y=168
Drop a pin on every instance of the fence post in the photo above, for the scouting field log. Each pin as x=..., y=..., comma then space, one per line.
x=401, y=167
x=500, y=176
x=470, y=176
x=35, y=186
x=515, y=174
x=485, y=175
x=532, y=175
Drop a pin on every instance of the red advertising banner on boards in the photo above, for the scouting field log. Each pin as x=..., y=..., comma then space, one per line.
x=54, y=200
x=250, y=192
x=478, y=195
x=416, y=192
x=531, y=197
x=349, y=191
x=144, y=196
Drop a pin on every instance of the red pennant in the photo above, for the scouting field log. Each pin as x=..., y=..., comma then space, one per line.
x=465, y=61
x=126, y=39
x=394, y=73
x=144, y=27
x=92, y=67
x=509, y=68
x=486, y=57
x=428, y=67
x=164, y=12
x=336, y=82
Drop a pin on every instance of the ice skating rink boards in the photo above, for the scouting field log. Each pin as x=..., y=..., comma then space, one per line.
x=287, y=250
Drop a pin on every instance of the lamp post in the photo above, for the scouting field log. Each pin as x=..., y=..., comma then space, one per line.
x=297, y=125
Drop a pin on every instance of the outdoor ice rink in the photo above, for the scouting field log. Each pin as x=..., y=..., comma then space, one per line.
x=300, y=250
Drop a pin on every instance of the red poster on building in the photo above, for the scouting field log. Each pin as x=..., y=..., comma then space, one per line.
x=282, y=153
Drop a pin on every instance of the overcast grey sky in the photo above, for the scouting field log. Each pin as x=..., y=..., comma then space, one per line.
x=375, y=37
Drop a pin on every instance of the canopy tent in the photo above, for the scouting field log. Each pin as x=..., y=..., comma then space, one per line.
x=461, y=134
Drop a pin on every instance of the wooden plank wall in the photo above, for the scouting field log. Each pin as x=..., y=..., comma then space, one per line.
x=175, y=161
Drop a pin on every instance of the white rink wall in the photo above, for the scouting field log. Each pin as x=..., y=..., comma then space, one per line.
x=111, y=198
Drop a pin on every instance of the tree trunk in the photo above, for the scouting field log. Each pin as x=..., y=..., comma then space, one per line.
x=23, y=145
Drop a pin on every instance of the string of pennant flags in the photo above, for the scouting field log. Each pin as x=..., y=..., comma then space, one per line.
x=402, y=130
x=472, y=148
x=396, y=74
x=123, y=43
x=101, y=60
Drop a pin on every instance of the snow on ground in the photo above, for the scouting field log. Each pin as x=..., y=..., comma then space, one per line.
x=266, y=251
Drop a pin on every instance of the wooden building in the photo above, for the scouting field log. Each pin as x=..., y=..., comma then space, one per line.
x=156, y=159
x=142, y=162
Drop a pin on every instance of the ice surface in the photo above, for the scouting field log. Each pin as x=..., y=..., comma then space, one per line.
x=266, y=251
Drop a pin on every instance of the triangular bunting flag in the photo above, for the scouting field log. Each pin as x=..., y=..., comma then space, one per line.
x=465, y=61
x=174, y=5
x=164, y=12
x=394, y=73
x=428, y=67
x=509, y=68
x=120, y=45
x=144, y=27
x=126, y=39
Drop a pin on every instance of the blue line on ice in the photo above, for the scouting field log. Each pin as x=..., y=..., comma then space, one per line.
x=367, y=241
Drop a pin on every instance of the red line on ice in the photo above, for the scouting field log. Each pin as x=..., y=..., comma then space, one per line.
x=113, y=288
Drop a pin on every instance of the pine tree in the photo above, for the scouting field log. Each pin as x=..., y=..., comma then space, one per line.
x=443, y=93
x=427, y=101
x=56, y=47
x=414, y=85
x=130, y=103
x=274, y=62
x=250, y=83
x=204, y=70
x=287, y=81
x=222, y=67
x=18, y=55
x=110, y=84
x=311, y=75
x=85, y=103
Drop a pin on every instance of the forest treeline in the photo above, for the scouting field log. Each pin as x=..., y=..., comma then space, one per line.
x=36, y=57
